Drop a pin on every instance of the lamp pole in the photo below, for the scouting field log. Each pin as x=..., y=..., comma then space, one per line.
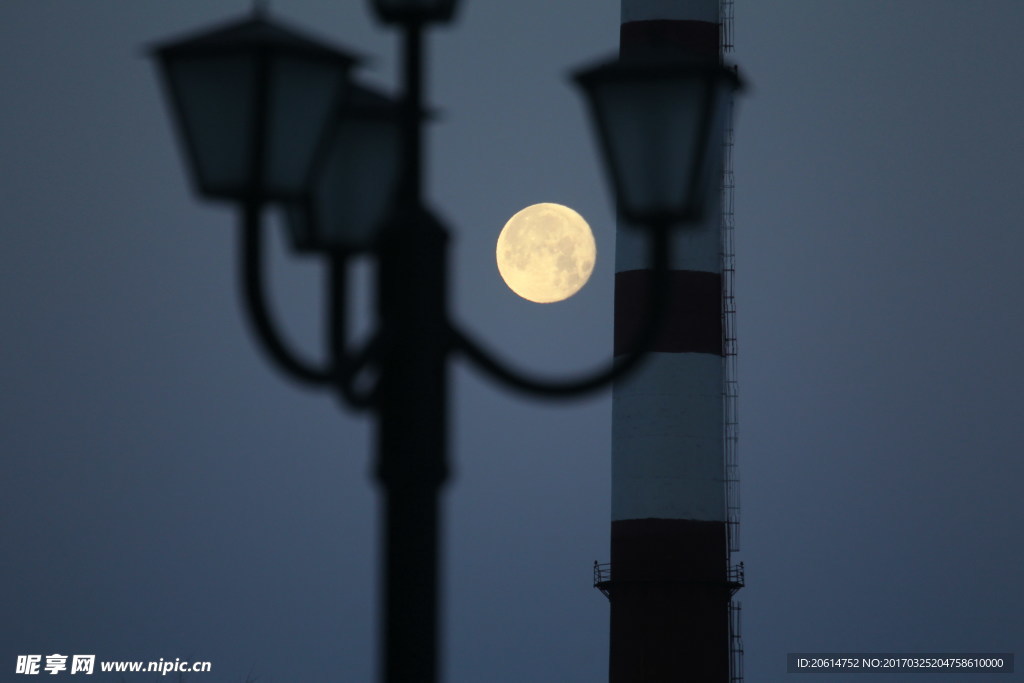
x=412, y=402
x=233, y=91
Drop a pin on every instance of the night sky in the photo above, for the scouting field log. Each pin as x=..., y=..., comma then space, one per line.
x=165, y=493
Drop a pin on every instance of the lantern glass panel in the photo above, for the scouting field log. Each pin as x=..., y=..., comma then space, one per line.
x=365, y=162
x=652, y=130
x=215, y=100
x=303, y=98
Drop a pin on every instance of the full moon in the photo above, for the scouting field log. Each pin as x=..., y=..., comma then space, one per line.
x=546, y=253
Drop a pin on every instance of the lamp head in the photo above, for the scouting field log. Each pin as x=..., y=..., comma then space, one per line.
x=252, y=101
x=414, y=11
x=661, y=123
x=355, y=179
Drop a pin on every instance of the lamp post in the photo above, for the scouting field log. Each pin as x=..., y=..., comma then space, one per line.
x=267, y=115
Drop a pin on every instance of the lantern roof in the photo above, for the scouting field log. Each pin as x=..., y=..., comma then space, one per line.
x=254, y=32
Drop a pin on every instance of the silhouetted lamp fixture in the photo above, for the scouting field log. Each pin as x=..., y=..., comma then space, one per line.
x=414, y=11
x=253, y=103
x=661, y=126
x=269, y=116
x=355, y=177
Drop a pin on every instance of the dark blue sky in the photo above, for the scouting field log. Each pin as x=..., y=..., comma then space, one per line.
x=165, y=494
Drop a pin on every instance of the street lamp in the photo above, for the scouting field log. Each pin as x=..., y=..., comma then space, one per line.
x=662, y=124
x=253, y=101
x=267, y=115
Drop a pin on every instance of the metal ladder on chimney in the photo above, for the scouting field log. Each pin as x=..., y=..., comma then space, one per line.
x=729, y=347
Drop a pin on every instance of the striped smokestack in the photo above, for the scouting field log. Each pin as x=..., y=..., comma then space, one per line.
x=670, y=583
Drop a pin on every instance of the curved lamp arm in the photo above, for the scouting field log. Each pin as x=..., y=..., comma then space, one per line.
x=616, y=369
x=343, y=369
x=346, y=366
x=258, y=311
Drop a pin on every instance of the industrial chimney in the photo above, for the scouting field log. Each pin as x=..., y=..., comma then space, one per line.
x=674, y=504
